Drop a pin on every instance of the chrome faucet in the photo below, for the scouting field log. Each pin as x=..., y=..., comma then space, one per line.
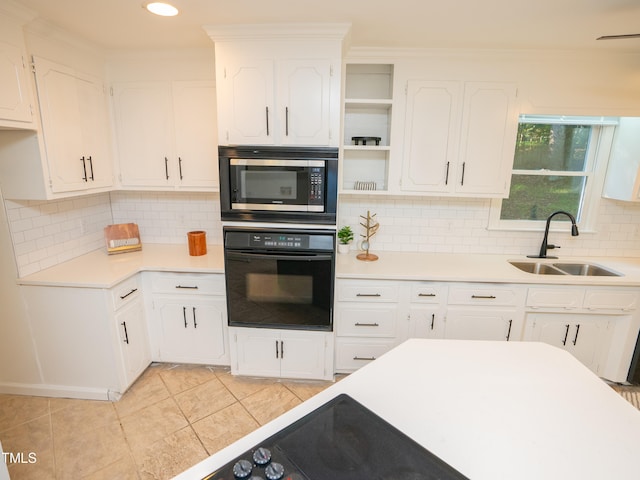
x=545, y=246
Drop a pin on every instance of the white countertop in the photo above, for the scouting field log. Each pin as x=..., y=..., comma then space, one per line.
x=97, y=269
x=459, y=267
x=492, y=410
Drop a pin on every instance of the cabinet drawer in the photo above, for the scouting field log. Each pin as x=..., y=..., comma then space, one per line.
x=367, y=291
x=366, y=321
x=610, y=299
x=194, y=283
x=557, y=297
x=428, y=293
x=125, y=292
x=484, y=295
x=353, y=354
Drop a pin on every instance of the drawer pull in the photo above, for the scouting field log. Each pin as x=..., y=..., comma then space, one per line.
x=364, y=358
x=485, y=297
x=426, y=294
x=133, y=290
x=358, y=324
x=187, y=287
x=368, y=295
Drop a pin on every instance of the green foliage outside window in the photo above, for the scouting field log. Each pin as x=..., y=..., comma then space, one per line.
x=545, y=157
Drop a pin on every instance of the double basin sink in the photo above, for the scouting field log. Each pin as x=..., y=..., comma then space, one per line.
x=580, y=269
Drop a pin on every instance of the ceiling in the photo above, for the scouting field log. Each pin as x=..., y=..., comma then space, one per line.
x=510, y=24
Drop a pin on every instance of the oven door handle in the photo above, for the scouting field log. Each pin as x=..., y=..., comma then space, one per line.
x=268, y=256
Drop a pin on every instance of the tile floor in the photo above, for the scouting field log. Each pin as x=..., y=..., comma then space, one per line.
x=171, y=418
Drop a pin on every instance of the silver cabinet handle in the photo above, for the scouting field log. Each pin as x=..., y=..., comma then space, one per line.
x=368, y=295
x=358, y=324
x=426, y=294
x=485, y=297
x=364, y=358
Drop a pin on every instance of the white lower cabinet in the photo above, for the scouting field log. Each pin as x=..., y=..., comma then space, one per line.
x=281, y=353
x=188, y=318
x=81, y=343
x=586, y=337
x=480, y=324
x=597, y=325
x=366, y=321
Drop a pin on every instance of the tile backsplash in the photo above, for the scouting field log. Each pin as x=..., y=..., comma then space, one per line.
x=47, y=233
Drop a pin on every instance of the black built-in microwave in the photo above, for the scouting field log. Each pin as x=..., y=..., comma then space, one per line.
x=278, y=184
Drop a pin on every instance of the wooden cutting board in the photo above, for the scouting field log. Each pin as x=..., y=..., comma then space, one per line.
x=122, y=237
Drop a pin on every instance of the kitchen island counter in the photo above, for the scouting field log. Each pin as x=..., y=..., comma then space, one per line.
x=515, y=411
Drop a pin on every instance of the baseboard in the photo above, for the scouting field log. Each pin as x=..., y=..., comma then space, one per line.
x=60, y=391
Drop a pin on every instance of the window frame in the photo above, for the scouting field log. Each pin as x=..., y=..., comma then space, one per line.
x=594, y=173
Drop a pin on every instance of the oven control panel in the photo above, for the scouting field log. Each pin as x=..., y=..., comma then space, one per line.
x=279, y=240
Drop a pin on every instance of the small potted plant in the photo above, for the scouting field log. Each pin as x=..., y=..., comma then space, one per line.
x=345, y=237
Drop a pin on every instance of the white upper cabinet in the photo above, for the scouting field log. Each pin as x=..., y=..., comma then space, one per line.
x=166, y=134
x=264, y=102
x=75, y=127
x=459, y=138
x=623, y=173
x=278, y=85
x=15, y=99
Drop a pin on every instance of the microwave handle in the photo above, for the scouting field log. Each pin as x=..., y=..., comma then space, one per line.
x=275, y=256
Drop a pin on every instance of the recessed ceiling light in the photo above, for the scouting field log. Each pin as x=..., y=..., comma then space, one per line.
x=160, y=8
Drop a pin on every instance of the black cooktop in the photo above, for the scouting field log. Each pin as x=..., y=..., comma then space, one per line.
x=341, y=440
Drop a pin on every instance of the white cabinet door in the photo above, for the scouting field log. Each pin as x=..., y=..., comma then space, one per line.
x=303, y=355
x=134, y=340
x=191, y=330
x=303, y=96
x=144, y=132
x=426, y=322
x=166, y=134
x=246, y=102
x=488, y=137
x=584, y=336
x=257, y=352
x=479, y=324
x=75, y=127
x=14, y=97
x=194, y=111
x=431, y=136
x=460, y=138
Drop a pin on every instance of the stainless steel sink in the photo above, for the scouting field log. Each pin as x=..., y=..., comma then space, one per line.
x=580, y=269
x=538, y=268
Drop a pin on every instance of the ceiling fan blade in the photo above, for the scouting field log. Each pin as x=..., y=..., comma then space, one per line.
x=619, y=37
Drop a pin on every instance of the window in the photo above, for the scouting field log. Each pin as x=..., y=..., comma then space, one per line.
x=556, y=167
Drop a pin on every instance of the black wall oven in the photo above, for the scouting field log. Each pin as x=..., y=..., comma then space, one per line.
x=278, y=184
x=279, y=277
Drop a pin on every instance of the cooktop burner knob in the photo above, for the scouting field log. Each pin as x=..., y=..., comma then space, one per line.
x=262, y=456
x=242, y=468
x=274, y=471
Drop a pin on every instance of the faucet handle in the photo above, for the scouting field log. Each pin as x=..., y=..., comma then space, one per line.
x=551, y=247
